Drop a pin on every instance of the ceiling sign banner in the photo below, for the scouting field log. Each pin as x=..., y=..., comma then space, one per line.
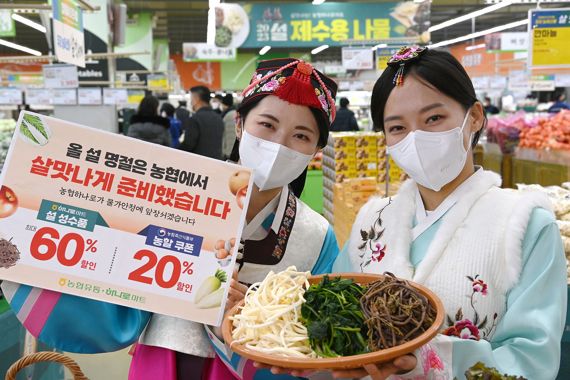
x=357, y=58
x=507, y=42
x=196, y=52
x=68, y=36
x=549, y=33
x=305, y=25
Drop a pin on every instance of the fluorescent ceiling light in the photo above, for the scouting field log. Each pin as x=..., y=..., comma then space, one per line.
x=475, y=47
x=318, y=2
x=264, y=50
x=529, y=1
x=380, y=46
x=28, y=22
x=20, y=47
x=481, y=33
x=471, y=15
x=319, y=49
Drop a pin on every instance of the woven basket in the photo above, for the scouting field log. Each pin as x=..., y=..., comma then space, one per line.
x=45, y=357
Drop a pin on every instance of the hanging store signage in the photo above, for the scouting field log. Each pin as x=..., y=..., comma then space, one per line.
x=383, y=55
x=305, y=25
x=504, y=42
x=542, y=83
x=518, y=81
x=11, y=96
x=549, y=33
x=112, y=96
x=232, y=25
x=196, y=52
x=118, y=219
x=357, y=58
x=68, y=36
x=64, y=96
x=38, y=96
x=60, y=76
x=89, y=96
x=157, y=82
x=7, y=25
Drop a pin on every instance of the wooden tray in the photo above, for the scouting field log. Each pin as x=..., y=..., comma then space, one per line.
x=345, y=362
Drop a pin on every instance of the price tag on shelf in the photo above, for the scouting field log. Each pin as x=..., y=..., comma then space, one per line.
x=118, y=219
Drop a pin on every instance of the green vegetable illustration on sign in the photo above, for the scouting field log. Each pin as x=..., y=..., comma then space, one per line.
x=211, y=292
x=33, y=130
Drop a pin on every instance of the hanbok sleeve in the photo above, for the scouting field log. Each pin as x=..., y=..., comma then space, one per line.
x=74, y=324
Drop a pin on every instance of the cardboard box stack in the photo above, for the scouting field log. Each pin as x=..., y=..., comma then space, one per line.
x=355, y=166
x=349, y=196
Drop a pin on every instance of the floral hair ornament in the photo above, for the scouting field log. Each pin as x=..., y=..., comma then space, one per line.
x=401, y=58
x=295, y=81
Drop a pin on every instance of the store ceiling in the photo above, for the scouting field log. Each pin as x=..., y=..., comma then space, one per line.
x=186, y=21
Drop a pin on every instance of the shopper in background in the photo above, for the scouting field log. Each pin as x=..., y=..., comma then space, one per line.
x=489, y=107
x=216, y=103
x=493, y=256
x=167, y=110
x=284, y=121
x=182, y=112
x=559, y=104
x=203, y=132
x=229, y=117
x=147, y=125
x=345, y=119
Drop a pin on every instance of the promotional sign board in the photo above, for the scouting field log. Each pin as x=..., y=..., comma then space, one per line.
x=196, y=52
x=112, y=96
x=89, y=96
x=306, y=25
x=68, y=36
x=358, y=58
x=119, y=220
x=12, y=96
x=549, y=33
x=64, y=96
x=508, y=41
x=60, y=76
x=38, y=96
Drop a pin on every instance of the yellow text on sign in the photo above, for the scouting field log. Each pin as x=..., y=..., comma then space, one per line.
x=339, y=30
x=550, y=47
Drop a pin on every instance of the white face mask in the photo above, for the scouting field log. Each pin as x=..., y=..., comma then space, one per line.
x=274, y=165
x=432, y=159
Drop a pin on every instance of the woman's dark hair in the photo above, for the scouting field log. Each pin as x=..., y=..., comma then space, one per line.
x=439, y=70
x=298, y=184
x=148, y=106
x=168, y=109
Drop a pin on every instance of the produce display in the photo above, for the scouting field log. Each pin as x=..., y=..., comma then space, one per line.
x=551, y=132
x=292, y=315
x=534, y=131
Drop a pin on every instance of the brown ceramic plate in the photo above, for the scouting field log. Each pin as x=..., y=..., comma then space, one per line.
x=345, y=362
